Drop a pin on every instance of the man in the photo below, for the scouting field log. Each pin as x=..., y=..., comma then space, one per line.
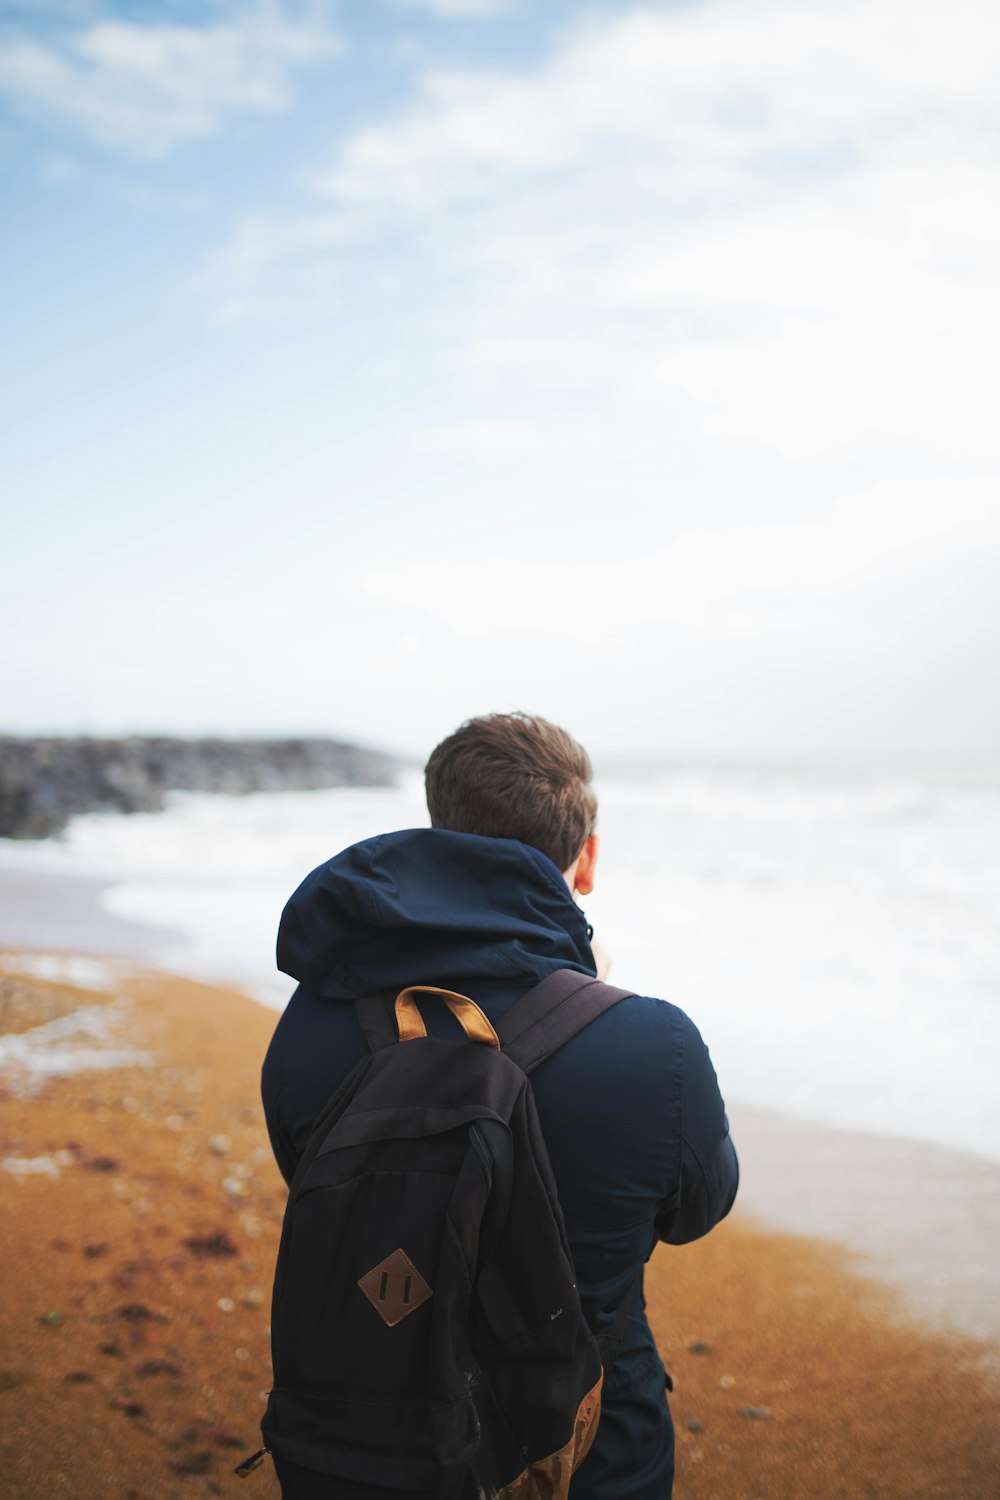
x=483, y=903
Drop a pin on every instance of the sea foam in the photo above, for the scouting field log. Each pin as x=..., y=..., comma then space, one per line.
x=832, y=932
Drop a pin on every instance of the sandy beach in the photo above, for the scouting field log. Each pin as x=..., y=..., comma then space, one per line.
x=140, y=1210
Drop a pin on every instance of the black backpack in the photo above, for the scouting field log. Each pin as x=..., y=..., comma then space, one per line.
x=426, y=1330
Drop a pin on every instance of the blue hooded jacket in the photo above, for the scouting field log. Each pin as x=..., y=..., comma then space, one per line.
x=630, y=1109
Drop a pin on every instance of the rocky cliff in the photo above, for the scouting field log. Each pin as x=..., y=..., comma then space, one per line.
x=44, y=782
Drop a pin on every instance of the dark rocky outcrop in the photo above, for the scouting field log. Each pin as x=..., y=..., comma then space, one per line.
x=44, y=782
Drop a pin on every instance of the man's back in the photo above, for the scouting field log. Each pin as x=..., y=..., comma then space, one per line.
x=630, y=1109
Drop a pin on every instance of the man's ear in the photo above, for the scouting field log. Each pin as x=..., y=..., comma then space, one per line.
x=583, y=881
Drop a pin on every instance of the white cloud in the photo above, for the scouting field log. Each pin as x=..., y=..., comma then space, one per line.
x=789, y=212
x=881, y=319
x=645, y=383
x=692, y=99
x=474, y=10
x=736, y=580
x=533, y=440
x=143, y=88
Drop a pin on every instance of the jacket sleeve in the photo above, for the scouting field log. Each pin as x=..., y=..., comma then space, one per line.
x=272, y=1076
x=709, y=1170
x=282, y=1144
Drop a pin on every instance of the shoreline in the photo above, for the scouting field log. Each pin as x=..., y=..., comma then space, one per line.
x=923, y=1218
x=139, y=1228
x=920, y=1219
x=50, y=909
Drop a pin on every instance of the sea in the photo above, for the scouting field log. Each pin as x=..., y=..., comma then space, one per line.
x=834, y=931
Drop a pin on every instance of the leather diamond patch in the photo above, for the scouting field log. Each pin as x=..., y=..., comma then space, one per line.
x=395, y=1288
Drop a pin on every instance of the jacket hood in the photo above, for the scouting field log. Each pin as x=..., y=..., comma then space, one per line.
x=428, y=906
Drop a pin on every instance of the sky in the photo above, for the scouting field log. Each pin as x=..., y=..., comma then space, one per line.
x=368, y=365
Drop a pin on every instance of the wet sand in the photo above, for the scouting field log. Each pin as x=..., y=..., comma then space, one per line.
x=46, y=909
x=139, y=1215
x=917, y=1217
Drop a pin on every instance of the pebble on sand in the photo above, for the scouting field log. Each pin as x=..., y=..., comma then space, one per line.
x=218, y=1243
x=160, y=1367
x=129, y=1406
x=135, y=1312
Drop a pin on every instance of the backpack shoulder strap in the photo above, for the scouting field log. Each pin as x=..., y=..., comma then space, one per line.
x=545, y=1018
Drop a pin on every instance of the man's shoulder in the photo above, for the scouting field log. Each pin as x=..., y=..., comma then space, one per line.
x=641, y=1038
x=647, y=1016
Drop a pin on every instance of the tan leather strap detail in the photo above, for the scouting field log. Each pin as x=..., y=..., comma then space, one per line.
x=549, y=1478
x=473, y=1022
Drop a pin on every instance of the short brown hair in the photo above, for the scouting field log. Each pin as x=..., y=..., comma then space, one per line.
x=514, y=776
